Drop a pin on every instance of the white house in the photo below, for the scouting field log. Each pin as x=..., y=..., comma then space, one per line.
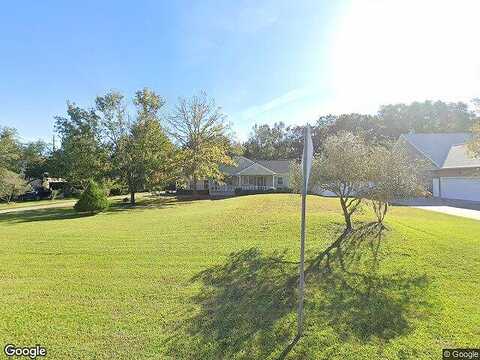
x=453, y=172
x=247, y=174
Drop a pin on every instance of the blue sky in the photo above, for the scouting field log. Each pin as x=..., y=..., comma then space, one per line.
x=262, y=61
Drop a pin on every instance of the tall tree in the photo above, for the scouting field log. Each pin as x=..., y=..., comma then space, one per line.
x=141, y=153
x=11, y=184
x=201, y=131
x=81, y=156
x=10, y=150
x=34, y=158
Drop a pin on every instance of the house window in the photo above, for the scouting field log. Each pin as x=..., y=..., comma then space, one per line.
x=251, y=180
x=280, y=181
x=205, y=184
x=244, y=180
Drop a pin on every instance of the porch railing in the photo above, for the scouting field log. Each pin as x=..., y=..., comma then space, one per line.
x=231, y=188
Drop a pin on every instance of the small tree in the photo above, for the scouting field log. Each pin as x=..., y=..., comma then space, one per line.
x=393, y=176
x=11, y=185
x=342, y=169
x=92, y=200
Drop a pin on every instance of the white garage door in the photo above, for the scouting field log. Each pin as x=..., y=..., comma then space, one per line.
x=460, y=188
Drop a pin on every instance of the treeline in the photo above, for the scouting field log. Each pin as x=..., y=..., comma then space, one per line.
x=285, y=142
x=131, y=145
x=131, y=150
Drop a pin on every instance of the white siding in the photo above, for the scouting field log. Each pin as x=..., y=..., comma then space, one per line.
x=285, y=181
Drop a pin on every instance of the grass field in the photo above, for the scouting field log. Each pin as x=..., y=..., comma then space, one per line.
x=216, y=280
x=28, y=204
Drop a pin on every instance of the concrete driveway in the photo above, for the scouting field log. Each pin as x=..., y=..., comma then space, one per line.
x=467, y=213
x=463, y=208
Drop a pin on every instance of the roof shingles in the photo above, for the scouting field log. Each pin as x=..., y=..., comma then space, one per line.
x=242, y=163
x=445, y=150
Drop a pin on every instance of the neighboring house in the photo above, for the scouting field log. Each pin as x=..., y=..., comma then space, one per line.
x=246, y=174
x=453, y=173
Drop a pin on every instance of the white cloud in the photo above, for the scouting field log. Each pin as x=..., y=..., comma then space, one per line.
x=280, y=101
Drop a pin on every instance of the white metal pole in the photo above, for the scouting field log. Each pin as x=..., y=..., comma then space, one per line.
x=302, y=241
x=301, y=266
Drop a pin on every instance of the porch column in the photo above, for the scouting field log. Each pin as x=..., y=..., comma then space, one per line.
x=273, y=181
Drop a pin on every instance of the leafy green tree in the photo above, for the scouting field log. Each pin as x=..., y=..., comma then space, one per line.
x=11, y=185
x=201, y=131
x=34, y=160
x=93, y=199
x=10, y=150
x=142, y=155
x=82, y=155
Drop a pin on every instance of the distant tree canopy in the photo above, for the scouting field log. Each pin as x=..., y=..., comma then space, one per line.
x=474, y=145
x=427, y=116
x=281, y=142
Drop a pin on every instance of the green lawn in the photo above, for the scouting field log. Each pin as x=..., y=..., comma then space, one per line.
x=25, y=204
x=216, y=280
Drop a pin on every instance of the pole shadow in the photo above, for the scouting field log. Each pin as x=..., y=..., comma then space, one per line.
x=246, y=307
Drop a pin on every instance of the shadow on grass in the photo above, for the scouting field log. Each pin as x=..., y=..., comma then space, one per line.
x=64, y=213
x=41, y=215
x=246, y=307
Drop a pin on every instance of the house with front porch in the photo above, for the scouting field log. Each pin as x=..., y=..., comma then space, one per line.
x=249, y=175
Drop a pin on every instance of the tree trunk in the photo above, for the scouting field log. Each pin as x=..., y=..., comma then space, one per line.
x=346, y=214
x=131, y=189
x=194, y=185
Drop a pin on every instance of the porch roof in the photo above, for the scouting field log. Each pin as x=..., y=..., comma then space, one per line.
x=244, y=166
x=256, y=169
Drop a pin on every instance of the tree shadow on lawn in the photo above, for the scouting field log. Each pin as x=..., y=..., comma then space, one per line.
x=66, y=213
x=247, y=306
x=41, y=215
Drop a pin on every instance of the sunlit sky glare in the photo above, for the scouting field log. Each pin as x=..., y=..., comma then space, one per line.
x=263, y=62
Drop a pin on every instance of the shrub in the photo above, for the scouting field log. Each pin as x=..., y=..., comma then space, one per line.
x=92, y=200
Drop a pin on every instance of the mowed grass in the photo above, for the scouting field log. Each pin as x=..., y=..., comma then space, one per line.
x=28, y=204
x=215, y=279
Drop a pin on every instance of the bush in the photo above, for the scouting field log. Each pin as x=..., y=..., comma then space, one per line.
x=92, y=200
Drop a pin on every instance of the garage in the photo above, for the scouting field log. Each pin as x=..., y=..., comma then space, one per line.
x=461, y=188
